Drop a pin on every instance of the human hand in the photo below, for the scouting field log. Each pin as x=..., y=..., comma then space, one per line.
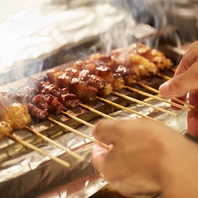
x=137, y=147
x=186, y=80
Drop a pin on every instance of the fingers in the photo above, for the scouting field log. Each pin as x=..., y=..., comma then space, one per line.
x=189, y=58
x=193, y=114
x=181, y=84
x=98, y=156
x=104, y=131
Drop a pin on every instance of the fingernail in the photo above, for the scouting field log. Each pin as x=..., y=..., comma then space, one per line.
x=164, y=88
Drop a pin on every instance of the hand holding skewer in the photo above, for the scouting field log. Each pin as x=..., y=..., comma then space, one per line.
x=184, y=82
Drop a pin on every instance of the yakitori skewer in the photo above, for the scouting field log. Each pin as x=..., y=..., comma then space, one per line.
x=86, y=81
x=143, y=60
x=77, y=132
x=75, y=155
x=17, y=117
x=6, y=128
x=107, y=67
x=157, y=92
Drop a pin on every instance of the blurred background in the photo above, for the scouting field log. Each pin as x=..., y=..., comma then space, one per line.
x=9, y=8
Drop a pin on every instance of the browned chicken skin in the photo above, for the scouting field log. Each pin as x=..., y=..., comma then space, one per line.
x=143, y=60
x=17, y=116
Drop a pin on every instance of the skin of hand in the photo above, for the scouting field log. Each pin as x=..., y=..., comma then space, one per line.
x=185, y=81
x=146, y=157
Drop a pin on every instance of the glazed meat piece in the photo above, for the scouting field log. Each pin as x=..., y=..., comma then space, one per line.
x=83, y=84
x=69, y=100
x=152, y=55
x=53, y=74
x=140, y=65
x=48, y=102
x=37, y=112
x=128, y=75
x=46, y=87
x=62, y=94
x=71, y=72
x=17, y=116
x=82, y=90
x=97, y=82
x=64, y=80
x=102, y=60
x=5, y=129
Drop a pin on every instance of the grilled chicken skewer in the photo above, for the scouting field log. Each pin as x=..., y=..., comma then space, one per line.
x=17, y=117
x=79, y=86
x=134, y=70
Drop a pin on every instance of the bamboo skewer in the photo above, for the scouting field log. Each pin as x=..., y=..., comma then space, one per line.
x=77, y=132
x=143, y=103
x=156, y=91
x=59, y=161
x=97, y=112
x=156, y=97
x=163, y=76
x=77, y=119
x=123, y=108
x=56, y=144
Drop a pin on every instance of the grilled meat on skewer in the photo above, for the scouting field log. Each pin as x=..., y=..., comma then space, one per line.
x=69, y=100
x=48, y=102
x=97, y=75
x=106, y=67
x=101, y=69
x=142, y=59
x=17, y=116
x=5, y=129
x=152, y=55
x=37, y=113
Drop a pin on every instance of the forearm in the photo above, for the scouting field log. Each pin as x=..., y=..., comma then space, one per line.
x=180, y=171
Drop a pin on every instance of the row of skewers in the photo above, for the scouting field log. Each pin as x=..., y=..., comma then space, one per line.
x=91, y=79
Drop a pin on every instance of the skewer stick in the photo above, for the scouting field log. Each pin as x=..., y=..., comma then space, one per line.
x=78, y=119
x=156, y=91
x=163, y=76
x=157, y=98
x=56, y=144
x=143, y=103
x=59, y=161
x=97, y=112
x=123, y=108
x=182, y=102
x=78, y=132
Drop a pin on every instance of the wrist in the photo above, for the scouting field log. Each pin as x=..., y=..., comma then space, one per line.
x=179, y=168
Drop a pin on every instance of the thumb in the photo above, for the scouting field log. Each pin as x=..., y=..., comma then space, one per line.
x=181, y=84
